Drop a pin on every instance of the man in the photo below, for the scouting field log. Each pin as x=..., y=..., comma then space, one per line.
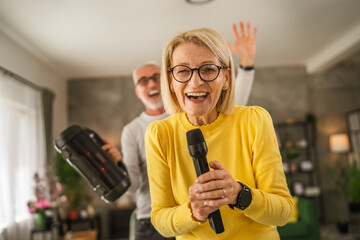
x=147, y=88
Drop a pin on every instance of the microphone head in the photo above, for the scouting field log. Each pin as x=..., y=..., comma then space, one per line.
x=194, y=136
x=196, y=143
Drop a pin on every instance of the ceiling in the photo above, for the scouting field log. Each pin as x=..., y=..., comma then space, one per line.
x=88, y=38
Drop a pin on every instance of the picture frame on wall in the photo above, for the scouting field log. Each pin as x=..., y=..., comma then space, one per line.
x=353, y=127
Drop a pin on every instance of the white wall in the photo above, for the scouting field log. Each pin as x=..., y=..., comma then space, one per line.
x=16, y=59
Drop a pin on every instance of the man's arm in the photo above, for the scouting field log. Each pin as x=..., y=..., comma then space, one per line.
x=245, y=49
x=243, y=85
x=131, y=158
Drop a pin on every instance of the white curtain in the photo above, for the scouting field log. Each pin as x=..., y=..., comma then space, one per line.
x=21, y=154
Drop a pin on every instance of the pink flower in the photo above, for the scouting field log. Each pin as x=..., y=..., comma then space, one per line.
x=44, y=187
x=31, y=210
x=42, y=203
x=39, y=205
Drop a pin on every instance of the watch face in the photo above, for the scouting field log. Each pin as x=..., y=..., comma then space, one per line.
x=245, y=198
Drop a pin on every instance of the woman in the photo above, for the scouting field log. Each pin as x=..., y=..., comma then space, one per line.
x=247, y=183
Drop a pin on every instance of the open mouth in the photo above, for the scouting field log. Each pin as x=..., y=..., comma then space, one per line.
x=196, y=96
x=153, y=93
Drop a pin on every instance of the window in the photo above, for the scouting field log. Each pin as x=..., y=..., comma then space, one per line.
x=21, y=153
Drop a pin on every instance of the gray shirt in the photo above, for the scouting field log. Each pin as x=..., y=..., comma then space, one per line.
x=133, y=145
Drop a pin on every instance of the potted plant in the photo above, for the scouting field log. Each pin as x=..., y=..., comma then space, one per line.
x=338, y=178
x=48, y=192
x=354, y=182
x=74, y=186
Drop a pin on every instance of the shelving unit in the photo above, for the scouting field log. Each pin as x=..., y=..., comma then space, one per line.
x=297, y=143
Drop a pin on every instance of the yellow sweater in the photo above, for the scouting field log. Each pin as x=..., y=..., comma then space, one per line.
x=244, y=142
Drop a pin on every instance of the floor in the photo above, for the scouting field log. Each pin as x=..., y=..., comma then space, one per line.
x=330, y=232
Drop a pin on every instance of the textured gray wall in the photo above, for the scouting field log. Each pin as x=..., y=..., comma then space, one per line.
x=107, y=104
x=104, y=105
x=281, y=91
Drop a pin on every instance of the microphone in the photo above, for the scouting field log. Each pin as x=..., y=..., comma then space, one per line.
x=198, y=150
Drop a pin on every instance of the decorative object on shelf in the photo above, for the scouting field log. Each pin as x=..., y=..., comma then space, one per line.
x=289, y=143
x=302, y=143
x=293, y=168
x=289, y=156
x=83, y=214
x=306, y=166
x=290, y=121
x=73, y=213
x=298, y=188
x=286, y=168
x=312, y=191
x=90, y=210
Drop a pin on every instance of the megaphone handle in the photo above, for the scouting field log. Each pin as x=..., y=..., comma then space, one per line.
x=122, y=166
x=96, y=137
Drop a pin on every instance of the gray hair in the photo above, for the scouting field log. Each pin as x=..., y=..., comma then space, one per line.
x=151, y=63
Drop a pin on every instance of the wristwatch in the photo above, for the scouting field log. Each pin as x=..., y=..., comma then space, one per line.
x=244, y=198
x=248, y=68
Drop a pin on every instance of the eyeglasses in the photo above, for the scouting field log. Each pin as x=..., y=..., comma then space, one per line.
x=145, y=80
x=207, y=72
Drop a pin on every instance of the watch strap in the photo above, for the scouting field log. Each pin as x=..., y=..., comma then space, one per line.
x=244, y=198
x=247, y=68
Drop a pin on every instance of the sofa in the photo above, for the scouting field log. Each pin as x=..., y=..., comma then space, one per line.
x=307, y=226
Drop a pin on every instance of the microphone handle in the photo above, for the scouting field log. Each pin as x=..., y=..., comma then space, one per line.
x=201, y=166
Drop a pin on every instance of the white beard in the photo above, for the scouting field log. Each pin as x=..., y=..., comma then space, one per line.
x=152, y=105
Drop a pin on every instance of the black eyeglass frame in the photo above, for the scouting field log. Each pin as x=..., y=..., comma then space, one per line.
x=192, y=72
x=155, y=77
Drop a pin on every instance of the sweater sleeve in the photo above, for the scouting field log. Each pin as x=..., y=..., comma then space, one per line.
x=167, y=217
x=271, y=203
x=131, y=157
x=243, y=85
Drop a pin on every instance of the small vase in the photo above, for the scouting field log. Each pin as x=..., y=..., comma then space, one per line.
x=293, y=167
x=40, y=221
x=354, y=207
x=73, y=214
x=343, y=227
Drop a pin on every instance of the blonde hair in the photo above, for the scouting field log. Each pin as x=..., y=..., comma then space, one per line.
x=218, y=46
